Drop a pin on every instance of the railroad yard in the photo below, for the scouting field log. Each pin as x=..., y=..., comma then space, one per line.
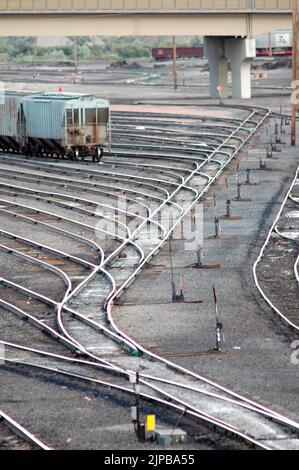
x=108, y=268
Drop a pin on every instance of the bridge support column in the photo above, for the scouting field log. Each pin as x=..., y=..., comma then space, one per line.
x=240, y=53
x=215, y=52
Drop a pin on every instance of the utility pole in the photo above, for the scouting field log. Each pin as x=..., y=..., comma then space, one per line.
x=174, y=63
x=75, y=53
x=295, y=64
x=34, y=59
x=270, y=45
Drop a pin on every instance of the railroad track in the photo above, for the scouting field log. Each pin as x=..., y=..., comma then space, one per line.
x=80, y=318
x=23, y=433
x=277, y=263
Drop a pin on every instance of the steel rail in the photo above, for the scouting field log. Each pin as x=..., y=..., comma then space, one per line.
x=164, y=156
x=32, y=179
x=114, y=176
x=66, y=171
x=217, y=424
x=191, y=153
x=124, y=135
x=92, y=190
x=186, y=181
x=94, y=273
x=268, y=301
x=66, y=219
x=90, y=186
x=256, y=408
x=48, y=249
x=137, y=230
x=22, y=432
x=126, y=120
x=295, y=240
x=117, y=371
x=55, y=335
x=85, y=201
x=55, y=305
x=160, y=169
x=92, y=245
x=189, y=410
x=84, y=283
x=172, y=116
x=40, y=325
x=49, y=267
x=126, y=373
x=169, y=361
x=139, y=132
x=127, y=129
x=151, y=156
x=212, y=178
x=37, y=197
x=18, y=160
x=152, y=355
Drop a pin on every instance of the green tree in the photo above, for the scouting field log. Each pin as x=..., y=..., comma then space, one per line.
x=57, y=55
x=20, y=46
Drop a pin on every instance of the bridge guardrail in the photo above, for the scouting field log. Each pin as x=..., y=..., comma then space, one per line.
x=144, y=6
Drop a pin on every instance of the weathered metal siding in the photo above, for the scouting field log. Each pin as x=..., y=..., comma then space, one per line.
x=44, y=118
x=9, y=116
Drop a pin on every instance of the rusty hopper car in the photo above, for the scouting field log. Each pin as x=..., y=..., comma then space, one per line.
x=60, y=124
x=74, y=124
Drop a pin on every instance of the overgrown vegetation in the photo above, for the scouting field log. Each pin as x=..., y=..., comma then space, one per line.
x=21, y=49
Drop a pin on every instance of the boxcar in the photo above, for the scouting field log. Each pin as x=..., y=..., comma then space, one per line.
x=279, y=41
x=165, y=53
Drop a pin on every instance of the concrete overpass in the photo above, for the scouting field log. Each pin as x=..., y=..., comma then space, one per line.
x=143, y=17
x=228, y=25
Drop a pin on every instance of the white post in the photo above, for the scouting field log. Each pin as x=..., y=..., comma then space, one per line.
x=240, y=53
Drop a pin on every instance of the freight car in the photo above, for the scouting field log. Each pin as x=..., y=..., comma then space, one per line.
x=165, y=53
x=68, y=125
x=278, y=43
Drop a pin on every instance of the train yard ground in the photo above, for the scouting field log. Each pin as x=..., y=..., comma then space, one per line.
x=65, y=274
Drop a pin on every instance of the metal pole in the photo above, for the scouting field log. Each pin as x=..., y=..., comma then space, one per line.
x=238, y=190
x=228, y=208
x=248, y=176
x=34, y=58
x=295, y=25
x=172, y=275
x=218, y=324
x=75, y=53
x=199, y=255
x=174, y=63
x=216, y=222
x=270, y=45
x=137, y=391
